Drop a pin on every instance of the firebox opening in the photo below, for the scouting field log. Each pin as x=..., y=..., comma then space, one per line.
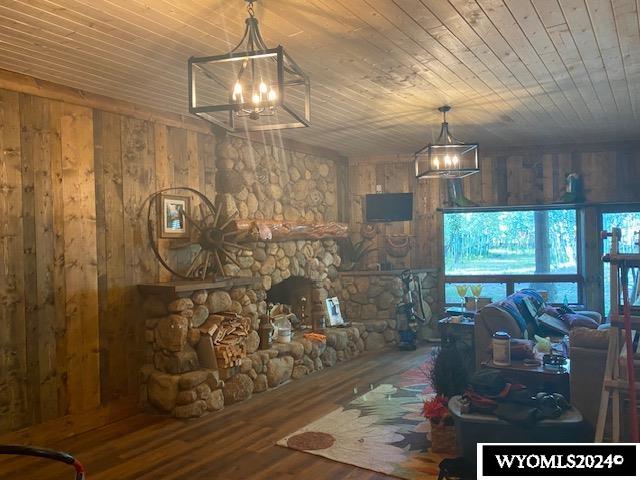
x=293, y=294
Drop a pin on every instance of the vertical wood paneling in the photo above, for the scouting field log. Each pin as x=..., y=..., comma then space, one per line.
x=164, y=179
x=138, y=157
x=49, y=255
x=31, y=126
x=13, y=356
x=59, y=284
x=111, y=260
x=78, y=183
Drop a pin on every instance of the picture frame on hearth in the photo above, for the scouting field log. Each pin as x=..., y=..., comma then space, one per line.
x=172, y=220
x=334, y=315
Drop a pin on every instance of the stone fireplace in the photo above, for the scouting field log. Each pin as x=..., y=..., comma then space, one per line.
x=201, y=349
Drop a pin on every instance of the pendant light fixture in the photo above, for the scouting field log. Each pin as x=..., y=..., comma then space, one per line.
x=252, y=87
x=448, y=157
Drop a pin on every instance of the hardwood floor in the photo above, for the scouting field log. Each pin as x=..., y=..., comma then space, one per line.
x=237, y=443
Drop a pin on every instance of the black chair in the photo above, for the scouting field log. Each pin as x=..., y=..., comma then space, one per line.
x=457, y=469
x=44, y=453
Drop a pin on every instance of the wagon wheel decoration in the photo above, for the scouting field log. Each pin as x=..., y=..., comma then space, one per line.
x=209, y=238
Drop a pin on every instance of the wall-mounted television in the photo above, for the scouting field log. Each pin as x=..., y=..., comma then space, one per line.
x=389, y=207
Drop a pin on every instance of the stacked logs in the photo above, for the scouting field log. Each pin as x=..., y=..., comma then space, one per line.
x=227, y=331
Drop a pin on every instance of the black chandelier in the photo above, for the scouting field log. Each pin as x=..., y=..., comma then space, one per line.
x=448, y=157
x=252, y=87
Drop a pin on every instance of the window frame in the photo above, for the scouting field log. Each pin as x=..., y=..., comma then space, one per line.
x=623, y=207
x=511, y=279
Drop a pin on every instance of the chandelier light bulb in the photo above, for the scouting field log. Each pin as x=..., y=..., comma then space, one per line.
x=455, y=161
x=237, y=91
x=447, y=161
x=263, y=87
x=436, y=163
x=273, y=96
x=256, y=99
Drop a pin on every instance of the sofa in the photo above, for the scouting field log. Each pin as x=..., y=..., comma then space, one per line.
x=514, y=316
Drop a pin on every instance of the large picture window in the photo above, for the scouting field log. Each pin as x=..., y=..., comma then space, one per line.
x=507, y=250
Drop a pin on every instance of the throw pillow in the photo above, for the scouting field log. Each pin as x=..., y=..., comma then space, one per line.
x=576, y=320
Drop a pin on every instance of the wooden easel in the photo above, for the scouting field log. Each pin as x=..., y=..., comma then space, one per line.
x=619, y=349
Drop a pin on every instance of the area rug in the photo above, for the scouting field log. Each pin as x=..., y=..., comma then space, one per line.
x=382, y=430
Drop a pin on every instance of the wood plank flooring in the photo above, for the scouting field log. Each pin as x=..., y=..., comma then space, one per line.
x=237, y=443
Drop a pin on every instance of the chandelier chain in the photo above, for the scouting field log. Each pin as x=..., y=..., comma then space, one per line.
x=252, y=13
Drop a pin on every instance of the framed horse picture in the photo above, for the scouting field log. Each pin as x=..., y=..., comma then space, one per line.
x=172, y=218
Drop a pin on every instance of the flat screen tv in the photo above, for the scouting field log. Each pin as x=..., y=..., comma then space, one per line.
x=389, y=207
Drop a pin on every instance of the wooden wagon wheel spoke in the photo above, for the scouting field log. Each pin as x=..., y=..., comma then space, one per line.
x=234, y=245
x=218, y=262
x=205, y=268
x=194, y=263
x=204, y=215
x=229, y=220
x=203, y=212
x=217, y=216
x=182, y=245
x=191, y=220
x=230, y=257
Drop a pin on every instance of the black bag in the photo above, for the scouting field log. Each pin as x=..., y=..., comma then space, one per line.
x=487, y=381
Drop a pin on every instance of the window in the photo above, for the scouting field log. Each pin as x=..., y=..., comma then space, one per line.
x=508, y=250
x=629, y=223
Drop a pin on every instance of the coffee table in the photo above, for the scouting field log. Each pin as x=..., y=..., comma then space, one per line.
x=536, y=377
x=474, y=428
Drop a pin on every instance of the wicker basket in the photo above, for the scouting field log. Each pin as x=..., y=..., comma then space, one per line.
x=443, y=438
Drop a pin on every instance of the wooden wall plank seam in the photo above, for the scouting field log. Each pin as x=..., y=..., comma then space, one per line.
x=13, y=356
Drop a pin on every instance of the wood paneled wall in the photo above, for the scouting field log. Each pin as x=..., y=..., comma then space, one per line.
x=610, y=173
x=74, y=185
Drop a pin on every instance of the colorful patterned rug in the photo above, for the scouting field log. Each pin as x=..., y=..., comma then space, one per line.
x=382, y=430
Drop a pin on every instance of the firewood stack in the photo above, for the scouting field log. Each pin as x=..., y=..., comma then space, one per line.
x=227, y=331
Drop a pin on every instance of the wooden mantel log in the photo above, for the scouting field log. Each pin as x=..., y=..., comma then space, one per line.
x=182, y=288
x=282, y=230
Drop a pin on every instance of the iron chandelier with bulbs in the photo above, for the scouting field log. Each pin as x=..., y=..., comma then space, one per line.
x=448, y=157
x=252, y=87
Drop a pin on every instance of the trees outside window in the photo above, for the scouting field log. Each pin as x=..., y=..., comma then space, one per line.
x=513, y=249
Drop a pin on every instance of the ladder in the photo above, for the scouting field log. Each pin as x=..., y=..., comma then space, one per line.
x=622, y=344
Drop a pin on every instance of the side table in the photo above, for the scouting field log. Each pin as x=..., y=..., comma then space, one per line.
x=536, y=377
x=459, y=333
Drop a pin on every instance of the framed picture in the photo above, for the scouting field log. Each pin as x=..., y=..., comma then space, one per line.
x=173, y=222
x=333, y=312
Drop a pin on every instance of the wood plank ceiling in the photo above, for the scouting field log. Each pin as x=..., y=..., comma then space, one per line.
x=516, y=71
